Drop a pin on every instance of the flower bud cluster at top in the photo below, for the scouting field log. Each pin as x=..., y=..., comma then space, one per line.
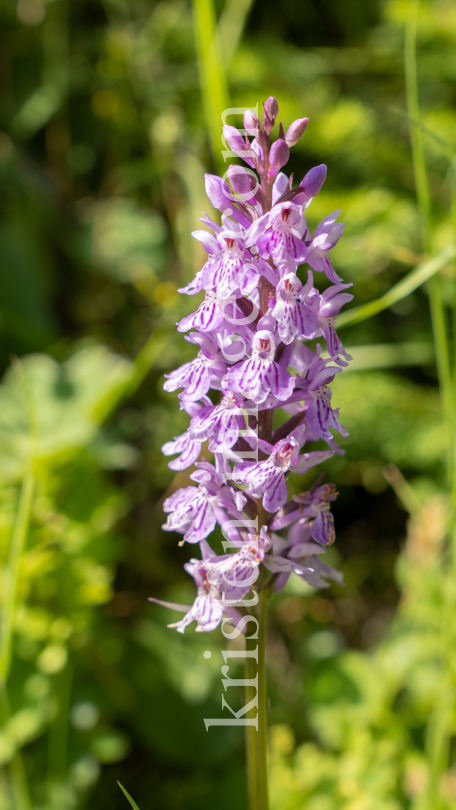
x=249, y=331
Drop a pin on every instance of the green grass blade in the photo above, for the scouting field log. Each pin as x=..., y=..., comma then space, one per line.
x=212, y=75
x=11, y=578
x=438, y=733
x=424, y=207
x=133, y=803
x=416, y=134
x=390, y=355
x=142, y=365
x=20, y=531
x=231, y=24
x=411, y=282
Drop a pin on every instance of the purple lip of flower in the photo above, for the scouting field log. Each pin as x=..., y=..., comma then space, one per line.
x=294, y=318
x=230, y=267
x=195, y=377
x=327, y=234
x=268, y=477
x=194, y=511
x=279, y=234
x=261, y=375
x=311, y=517
x=219, y=423
x=209, y=315
x=188, y=448
x=220, y=581
x=320, y=416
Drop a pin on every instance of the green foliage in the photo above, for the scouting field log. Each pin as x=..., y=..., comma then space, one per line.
x=133, y=804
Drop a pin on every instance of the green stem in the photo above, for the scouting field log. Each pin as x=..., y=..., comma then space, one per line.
x=257, y=739
x=251, y=734
x=262, y=757
x=56, y=787
x=19, y=787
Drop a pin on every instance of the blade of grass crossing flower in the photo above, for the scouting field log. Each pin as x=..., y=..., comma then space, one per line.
x=402, y=289
x=424, y=206
x=125, y=792
x=212, y=75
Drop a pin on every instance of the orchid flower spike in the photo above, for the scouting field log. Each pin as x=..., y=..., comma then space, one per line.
x=250, y=334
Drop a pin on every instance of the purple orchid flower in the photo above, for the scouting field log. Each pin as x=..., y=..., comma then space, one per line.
x=316, y=504
x=294, y=318
x=187, y=447
x=327, y=234
x=261, y=375
x=200, y=374
x=219, y=423
x=221, y=198
x=325, y=307
x=298, y=555
x=279, y=234
x=230, y=267
x=194, y=511
x=267, y=477
x=208, y=608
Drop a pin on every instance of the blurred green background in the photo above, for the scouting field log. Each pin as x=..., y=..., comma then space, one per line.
x=110, y=117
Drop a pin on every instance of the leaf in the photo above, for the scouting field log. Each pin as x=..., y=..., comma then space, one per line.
x=133, y=803
x=68, y=401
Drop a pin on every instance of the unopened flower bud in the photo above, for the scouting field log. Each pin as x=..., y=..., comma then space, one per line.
x=236, y=143
x=313, y=180
x=271, y=108
x=311, y=185
x=278, y=156
x=243, y=181
x=271, y=111
x=295, y=131
x=218, y=191
x=251, y=123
